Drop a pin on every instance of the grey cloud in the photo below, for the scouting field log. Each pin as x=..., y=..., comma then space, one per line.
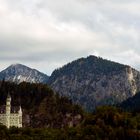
x=55, y=32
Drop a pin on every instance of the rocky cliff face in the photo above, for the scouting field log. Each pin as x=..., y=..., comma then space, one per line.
x=93, y=81
x=18, y=73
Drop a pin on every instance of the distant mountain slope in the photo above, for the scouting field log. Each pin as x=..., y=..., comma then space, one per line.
x=19, y=73
x=93, y=81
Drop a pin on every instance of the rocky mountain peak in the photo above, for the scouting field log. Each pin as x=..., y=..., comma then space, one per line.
x=19, y=73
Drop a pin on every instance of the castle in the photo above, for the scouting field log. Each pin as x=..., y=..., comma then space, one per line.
x=10, y=116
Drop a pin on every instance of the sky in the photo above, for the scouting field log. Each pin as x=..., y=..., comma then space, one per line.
x=46, y=34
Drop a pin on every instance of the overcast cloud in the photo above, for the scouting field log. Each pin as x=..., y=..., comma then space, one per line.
x=46, y=34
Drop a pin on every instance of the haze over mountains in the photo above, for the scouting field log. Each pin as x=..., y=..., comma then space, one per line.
x=90, y=81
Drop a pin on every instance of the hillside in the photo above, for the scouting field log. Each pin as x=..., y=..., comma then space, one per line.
x=106, y=123
x=94, y=81
x=48, y=116
x=132, y=103
x=41, y=106
x=18, y=73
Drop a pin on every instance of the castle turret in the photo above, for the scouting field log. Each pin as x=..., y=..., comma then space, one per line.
x=20, y=117
x=8, y=110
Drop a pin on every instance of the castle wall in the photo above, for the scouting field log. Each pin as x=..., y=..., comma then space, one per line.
x=3, y=119
x=14, y=120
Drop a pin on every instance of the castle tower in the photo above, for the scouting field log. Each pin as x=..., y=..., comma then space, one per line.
x=8, y=110
x=20, y=117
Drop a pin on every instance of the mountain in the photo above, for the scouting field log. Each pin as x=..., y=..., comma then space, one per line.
x=19, y=73
x=94, y=81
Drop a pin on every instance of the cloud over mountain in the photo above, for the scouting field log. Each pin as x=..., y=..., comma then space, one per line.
x=54, y=32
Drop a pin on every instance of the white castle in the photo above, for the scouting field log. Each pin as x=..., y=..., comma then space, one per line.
x=10, y=116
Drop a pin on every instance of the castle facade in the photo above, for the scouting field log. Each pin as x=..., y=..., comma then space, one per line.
x=10, y=116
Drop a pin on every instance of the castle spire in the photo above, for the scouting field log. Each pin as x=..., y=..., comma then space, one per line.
x=20, y=110
x=8, y=96
x=20, y=117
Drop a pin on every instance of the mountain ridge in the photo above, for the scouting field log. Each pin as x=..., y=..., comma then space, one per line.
x=90, y=82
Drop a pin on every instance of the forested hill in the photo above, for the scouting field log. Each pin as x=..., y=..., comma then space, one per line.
x=47, y=116
x=41, y=106
x=107, y=123
x=94, y=81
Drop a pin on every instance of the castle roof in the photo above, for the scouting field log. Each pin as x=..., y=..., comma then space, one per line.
x=8, y=96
